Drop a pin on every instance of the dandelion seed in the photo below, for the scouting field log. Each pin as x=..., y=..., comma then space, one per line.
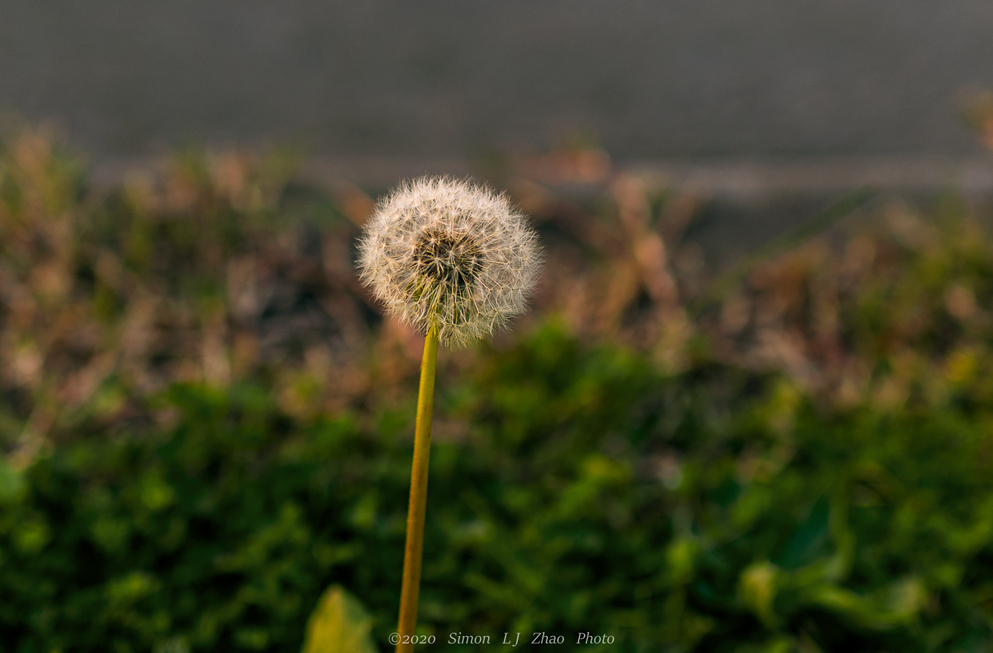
x=449, y=255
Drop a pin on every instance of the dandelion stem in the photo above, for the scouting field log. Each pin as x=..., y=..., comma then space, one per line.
x=418, y=496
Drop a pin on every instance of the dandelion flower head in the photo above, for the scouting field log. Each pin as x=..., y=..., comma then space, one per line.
x=449, y=255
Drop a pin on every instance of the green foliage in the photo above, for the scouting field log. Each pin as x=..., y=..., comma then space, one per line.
x=339, y=624
x=579, y=491
x=204, y=428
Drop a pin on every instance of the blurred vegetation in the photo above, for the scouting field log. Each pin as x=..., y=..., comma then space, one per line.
x=205, y=424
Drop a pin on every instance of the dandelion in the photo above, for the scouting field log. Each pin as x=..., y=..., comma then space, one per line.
x=455, y=261
x=448, y=255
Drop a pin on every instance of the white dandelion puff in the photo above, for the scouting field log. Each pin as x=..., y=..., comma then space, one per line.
x=449, y=255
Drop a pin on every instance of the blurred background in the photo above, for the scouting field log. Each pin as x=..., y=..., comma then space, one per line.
x=746, y=412
x=444, y=79
x=751, y=104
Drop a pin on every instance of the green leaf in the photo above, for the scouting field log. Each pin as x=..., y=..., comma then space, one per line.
x=339, y=623
x=12, y=486
x=809, y=540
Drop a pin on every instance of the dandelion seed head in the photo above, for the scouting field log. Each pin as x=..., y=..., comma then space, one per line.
x=450, y=255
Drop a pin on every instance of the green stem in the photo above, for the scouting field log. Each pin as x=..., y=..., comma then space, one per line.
x=418, y=496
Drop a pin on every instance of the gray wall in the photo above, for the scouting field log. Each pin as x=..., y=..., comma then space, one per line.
x=683, y=78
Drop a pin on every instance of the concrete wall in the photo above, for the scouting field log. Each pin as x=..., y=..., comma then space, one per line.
x=677, y=79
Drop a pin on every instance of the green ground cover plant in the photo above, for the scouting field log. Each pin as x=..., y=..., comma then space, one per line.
x=205, y=425
x=588, y=493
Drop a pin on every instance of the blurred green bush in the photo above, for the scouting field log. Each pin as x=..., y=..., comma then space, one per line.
x=204, y=426
x=580, y=491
